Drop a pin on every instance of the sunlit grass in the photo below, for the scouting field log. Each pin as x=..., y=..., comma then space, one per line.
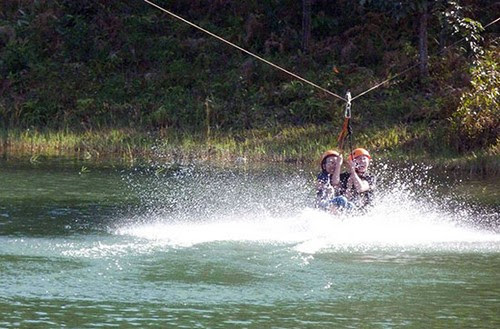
x=303, y=144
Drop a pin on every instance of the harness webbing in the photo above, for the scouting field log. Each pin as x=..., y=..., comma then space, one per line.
x=343, y=133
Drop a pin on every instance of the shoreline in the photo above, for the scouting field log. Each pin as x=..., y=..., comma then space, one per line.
x=291, y=145
x=473, y=177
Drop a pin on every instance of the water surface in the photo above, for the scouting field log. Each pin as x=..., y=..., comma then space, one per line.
x=197, y=247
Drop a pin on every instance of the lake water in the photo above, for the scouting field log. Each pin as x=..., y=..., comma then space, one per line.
x=200, y=247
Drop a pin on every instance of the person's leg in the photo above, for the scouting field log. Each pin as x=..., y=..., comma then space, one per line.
x=323, y=204
x=341, y=203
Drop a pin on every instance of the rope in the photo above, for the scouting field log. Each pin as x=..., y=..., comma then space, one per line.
x=492, y=22
x=246, y=51
x=349, y=132
x=346, y=128
x=418, y=63
x=348, y=101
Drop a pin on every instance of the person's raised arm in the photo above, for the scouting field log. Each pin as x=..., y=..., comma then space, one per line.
x=359, y=184
x=335, y=178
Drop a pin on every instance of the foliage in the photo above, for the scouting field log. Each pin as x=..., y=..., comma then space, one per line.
x=476, y=123
x=89, y=65
x=465, y=27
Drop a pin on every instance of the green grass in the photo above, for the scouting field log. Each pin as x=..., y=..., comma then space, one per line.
x=295, y=144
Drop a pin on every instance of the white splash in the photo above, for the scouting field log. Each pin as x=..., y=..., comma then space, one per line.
x=272, y=209
x=313, y=231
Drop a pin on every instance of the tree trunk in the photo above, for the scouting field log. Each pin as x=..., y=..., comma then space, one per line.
x=306, y=24
x=442, y=36
x=5, y=135
x=422, y=42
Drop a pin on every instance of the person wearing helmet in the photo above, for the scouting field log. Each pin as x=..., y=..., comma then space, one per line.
x=328, y=183
x=357, y=185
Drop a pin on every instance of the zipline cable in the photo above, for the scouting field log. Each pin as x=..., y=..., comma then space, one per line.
x=246, y=51
x=418, y=63
x=491, y=23
x=295, y=75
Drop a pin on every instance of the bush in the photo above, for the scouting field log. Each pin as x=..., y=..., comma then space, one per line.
x=476, y=121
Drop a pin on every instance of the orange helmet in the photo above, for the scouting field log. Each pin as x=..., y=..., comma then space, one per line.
x=359, y=152
x=327, y=154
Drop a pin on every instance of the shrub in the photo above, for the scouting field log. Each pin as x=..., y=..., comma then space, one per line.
x=476, y=121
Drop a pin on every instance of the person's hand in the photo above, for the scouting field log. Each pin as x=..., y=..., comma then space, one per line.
x=338, y=161
x=350, y=182
x=352, y=165
x=350, y=187
x=329, y=190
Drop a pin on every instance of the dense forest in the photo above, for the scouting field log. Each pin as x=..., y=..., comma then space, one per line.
x=89, y=65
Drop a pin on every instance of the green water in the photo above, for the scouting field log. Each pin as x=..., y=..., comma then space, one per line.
x=200, y=248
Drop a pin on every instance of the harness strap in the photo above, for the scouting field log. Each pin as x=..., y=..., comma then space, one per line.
x=343, y=133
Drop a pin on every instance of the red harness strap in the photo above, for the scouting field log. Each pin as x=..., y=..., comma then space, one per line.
x=343, y=133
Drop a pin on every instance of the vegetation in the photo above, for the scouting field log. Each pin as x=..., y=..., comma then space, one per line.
x=102, y=77
x=476, y=122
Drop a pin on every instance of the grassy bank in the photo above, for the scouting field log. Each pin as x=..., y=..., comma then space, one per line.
x=122, y=70
x=288, y=144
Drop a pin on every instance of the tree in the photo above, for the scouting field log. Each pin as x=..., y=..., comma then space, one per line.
x=405, y=8
x=476, y=122
x=306, y=24
x=423, y=56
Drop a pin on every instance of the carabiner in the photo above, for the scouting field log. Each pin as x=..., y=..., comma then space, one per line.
x=347, y=113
